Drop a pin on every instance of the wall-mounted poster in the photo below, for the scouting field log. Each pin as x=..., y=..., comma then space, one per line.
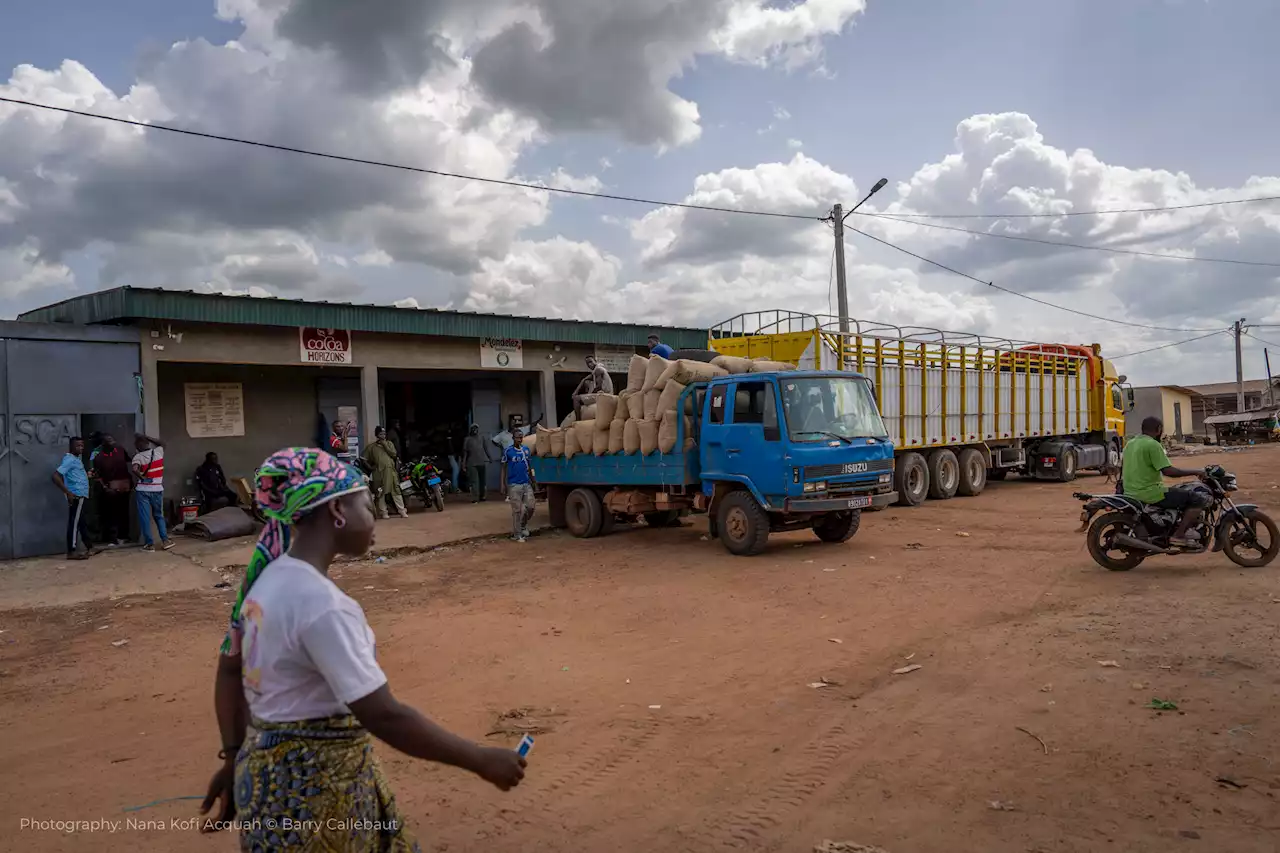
x=214, y=409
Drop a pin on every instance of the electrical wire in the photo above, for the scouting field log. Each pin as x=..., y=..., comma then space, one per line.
x=288, y=149
x=1023, y=295
x=1257, y=200
x=1066, y=245
x=1166, y=346
x=1249, y=334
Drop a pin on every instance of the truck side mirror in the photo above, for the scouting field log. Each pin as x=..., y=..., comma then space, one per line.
x=1128, y=399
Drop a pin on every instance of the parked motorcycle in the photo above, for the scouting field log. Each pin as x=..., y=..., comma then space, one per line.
x=1128, y=531
x=425, y=479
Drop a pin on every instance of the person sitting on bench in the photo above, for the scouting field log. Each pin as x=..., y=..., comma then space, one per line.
x=214, y=492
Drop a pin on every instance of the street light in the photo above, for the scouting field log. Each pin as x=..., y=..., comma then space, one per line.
x=842, y=294
x=879, y=186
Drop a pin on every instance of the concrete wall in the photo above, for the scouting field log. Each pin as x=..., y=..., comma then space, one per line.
x=1169, y=397
x=280, y=409
x=1147, y=402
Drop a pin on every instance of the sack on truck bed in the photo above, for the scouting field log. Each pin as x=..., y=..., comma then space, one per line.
x=651, y=399
x=557, y=443
x=635, y=406
x=621, y=414
x=764, y=365
x=570, y=443
x=588, y=414
x=732, y=363
x=585, y=433
x=636, y=371
x=543, y=438
x=631, y=436
x=668, y=399
x=667, y=432
x=657, y=366
x=648, y=436
x=606, y=408
x=616, y=430
x=600, y=441
x=685, y=371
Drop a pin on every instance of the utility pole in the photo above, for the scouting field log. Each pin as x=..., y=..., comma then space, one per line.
x=1237, y=329
x=838, y=216
x=1271, y=391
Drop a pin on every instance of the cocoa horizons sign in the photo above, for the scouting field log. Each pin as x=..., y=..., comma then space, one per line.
x=325, y=346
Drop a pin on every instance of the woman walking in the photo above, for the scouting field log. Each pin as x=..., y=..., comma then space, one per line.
x=382, y=457
x=299, y=695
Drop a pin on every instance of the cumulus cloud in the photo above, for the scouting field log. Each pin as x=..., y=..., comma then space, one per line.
x=551, y=278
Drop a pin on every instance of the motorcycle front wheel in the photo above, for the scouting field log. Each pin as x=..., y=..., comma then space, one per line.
x=437, y=495
x=1253, y=542
x=1101, y=535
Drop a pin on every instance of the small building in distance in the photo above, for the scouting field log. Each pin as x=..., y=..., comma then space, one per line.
x=1219, y=398
x=1172, y=404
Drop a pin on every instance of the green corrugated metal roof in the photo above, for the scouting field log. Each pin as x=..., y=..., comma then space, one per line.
x=124, y=304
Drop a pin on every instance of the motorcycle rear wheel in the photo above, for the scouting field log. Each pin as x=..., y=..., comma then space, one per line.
x=1238, y=535
x=437, y=496
x=1099, y=537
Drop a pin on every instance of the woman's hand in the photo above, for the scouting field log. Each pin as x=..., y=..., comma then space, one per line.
x=502, y=768
x=221, y=789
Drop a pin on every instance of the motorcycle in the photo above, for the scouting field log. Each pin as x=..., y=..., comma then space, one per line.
x=1128, y=531
x=425, y=479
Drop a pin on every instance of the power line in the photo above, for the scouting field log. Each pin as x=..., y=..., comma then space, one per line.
x=1257, y=200
x=1258, y=339
x=1066, y=245
x=288, y=149
x=1166, y=346
x=1023, y=295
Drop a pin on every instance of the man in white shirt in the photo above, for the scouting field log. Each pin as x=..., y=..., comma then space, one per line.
x=148, y=467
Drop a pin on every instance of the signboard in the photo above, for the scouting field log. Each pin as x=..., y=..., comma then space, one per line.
x=615, y=359
x=502, y=353
x=214, y=409
x=324, y=346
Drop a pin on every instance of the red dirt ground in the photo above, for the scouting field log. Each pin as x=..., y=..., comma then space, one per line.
x=1008, y=624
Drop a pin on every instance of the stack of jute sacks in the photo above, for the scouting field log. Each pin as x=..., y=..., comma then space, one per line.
x=647, y=416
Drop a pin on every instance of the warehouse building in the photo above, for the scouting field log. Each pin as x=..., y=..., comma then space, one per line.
x=244, y=376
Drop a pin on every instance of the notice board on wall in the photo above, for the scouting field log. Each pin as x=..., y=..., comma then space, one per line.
x=214, y=409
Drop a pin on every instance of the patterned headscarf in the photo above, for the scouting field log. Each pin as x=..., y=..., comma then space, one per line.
x=290, y=484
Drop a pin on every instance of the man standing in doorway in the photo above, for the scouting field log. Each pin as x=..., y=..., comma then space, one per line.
x=518, y=485
x=338, y=441
x=475, y=458
x=148, y=465
x=73, y=480
x=112, y=469
x=657, y=347
x=598, y=381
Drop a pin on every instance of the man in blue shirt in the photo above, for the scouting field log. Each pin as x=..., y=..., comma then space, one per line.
x=657, y=347
x=517, y=485
x=72, y=479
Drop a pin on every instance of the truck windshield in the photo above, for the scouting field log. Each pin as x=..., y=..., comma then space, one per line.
x=822, y=408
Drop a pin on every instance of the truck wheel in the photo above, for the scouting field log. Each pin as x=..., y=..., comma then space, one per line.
x=1067, y=465
x=583, y=513
x=912, y=475
x=838, y=526
x=663, y=518
x=944, y=475
x=973, y=473
x=743, y=523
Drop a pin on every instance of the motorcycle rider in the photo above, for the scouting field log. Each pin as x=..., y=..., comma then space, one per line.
x=1145, y=466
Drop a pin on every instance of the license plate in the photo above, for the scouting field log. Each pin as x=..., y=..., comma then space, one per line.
x=406, y=485
x=434, y=481
x=859, y=503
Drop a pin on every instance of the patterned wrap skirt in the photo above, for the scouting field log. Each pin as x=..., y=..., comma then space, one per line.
x=315, y=787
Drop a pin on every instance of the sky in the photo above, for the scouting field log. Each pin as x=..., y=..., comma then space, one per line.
x=990, y=107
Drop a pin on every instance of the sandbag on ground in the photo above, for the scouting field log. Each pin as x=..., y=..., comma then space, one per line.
x=732, y=363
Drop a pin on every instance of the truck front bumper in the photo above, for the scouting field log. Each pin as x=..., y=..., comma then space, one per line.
x=842, y=504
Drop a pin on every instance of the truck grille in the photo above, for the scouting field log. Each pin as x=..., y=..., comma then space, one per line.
x=848, y=469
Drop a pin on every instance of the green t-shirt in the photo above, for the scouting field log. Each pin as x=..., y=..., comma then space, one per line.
x=1144, y=459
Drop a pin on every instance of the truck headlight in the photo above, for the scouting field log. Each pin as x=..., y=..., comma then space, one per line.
x=819, y=486
x=886, y=478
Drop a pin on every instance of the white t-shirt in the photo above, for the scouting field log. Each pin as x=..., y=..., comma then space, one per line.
x=150, y=467
x=307, y=649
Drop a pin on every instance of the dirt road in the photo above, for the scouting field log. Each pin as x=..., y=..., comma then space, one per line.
x=675, y=681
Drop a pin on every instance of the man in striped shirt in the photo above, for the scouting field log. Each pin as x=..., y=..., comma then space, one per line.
x=148, y=466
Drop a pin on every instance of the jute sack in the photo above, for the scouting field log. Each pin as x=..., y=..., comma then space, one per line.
x=544, y=440
x=531, y=442
x=685, y=371
x=570, y=443
x=648, y=436
x=635, y=406
x=631, y=436
x=657, y=366
x=586, y=441
x=667, y=432
x=600, y=441
x=764, y=365
x=669, y=399
x=616, y=431
x=636, y=371
x=732, y=363
x=622, y=412
x=557, y=443
x=606, y=408
x=651, y=399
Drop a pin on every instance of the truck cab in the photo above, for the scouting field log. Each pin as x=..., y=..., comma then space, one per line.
x=794, y=450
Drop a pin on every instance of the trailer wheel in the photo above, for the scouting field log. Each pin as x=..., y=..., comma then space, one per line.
x=584, y=513
x=838, y=526
x=973, y=473
x=944, y=474
x=912, y=475
x=743, y=524
x=1067, y=465
x=663, y=518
